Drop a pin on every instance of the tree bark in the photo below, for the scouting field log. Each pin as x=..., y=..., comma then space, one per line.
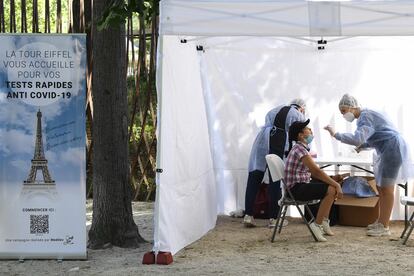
x=112, y=220
x=75, y=16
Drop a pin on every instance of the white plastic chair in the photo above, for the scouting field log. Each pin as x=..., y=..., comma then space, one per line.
x=407, y=201
x=277, y=171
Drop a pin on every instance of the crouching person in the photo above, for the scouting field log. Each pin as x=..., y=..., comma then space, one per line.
x=307, y=181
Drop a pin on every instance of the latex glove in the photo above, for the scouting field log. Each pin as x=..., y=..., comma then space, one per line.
x=362, y=147
x=331, y=130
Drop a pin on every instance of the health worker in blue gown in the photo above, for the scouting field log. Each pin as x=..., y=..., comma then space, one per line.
x=392, y=162
x=272, y=138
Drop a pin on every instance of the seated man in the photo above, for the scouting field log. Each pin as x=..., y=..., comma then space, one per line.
x=299, y=169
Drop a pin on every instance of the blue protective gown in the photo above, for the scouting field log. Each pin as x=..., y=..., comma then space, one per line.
x=260, y=146
x=392, y=163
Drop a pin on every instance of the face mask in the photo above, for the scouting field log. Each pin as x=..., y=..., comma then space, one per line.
x=349, y=116
x=309, y=139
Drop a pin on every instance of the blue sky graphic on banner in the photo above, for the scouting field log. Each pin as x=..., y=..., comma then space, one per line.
x=42, y=146
x=18, y=121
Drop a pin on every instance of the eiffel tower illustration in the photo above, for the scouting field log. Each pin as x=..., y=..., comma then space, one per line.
x=39, y=161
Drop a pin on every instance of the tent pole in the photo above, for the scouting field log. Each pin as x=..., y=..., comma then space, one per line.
x=159, y=80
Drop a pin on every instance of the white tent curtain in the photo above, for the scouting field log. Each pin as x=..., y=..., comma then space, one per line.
x=213, y=101
x=186, y=191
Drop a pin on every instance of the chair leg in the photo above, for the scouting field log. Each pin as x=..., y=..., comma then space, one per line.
x=282, y=218
x=409, y=233
x=277, y=222
x=310, y=213
x=406, y=226
x=304, y=219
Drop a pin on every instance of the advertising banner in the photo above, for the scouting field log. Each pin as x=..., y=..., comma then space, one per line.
x=42, y=146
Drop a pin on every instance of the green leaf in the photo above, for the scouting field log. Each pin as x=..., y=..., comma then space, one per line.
x=115, y=15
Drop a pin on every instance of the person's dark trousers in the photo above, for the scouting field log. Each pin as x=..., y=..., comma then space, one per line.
x=253, y=182
x=274, y=195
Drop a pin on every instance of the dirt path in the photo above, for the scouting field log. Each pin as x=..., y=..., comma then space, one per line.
x=231, y=249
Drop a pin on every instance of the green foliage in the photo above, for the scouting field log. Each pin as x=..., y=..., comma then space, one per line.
x=136, y=132
x=119, y=10
x=115, y=15
x=142, y=99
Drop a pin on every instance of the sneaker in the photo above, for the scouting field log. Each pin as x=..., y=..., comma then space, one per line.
x=249, y=221
x=372, y=225
x=379, y=231
x=326, y=228
x=272, y=223
x=316, y=230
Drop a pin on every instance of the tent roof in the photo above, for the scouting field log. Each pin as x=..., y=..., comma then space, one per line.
x=286, y=18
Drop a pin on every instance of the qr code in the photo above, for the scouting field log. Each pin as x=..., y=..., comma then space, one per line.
x=39, y=224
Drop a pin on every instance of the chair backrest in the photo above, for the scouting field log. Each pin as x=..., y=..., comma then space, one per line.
x=276, y=167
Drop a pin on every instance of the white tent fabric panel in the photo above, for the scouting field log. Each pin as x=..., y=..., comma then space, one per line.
x=186, y=206
x=383, y=18
x=226, y=18
x=286, y=18
x=228, y=133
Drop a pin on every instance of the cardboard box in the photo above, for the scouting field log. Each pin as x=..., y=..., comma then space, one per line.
x=355, y=211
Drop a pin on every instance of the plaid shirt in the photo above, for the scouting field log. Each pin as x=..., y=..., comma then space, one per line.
x=295, y=170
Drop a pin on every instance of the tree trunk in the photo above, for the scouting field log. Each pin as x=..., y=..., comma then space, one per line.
x=75, y=14
x=112, y=220
x=89, y=101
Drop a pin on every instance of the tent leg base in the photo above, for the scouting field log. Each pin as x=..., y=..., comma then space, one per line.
x=149, y=258
x=164, y=258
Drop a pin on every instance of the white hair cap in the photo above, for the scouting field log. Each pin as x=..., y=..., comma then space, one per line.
x=299, y=102
x=348, y=100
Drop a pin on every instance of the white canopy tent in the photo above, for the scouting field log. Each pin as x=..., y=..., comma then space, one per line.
x=222, y=65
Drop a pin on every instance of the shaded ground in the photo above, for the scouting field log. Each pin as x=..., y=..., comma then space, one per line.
x=230, y=249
